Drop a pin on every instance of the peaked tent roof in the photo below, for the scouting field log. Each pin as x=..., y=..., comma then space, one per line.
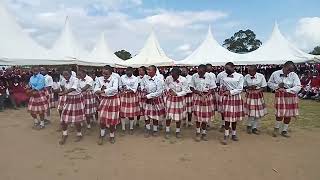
x=276, y=50
x=17, y=47
x=102, y=54
x=210, y=51
x=150, y=54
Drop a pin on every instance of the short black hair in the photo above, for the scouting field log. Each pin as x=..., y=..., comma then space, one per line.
x=143, y=67
x=176, y=70
x=202, y=66
x=153, y=67
x=253, y=67
x=230, y=64
x=129, y=69
x=83, y=71
x=289, y=63
x=209, y=64
x=108, y=67
x=185, y=68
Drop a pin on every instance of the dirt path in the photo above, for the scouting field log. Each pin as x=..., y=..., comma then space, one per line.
x=29, y=154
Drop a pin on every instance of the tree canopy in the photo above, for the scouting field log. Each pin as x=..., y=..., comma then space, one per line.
x=316, y=51
x=123, y=54
x=242, y=42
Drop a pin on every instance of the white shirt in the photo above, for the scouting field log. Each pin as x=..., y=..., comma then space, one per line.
x=202, y=84
x=189, y=79
x=257, y=80
x=292, y=82
x=48, y=80
x=73, y=83
x=116, y=75
x=87, y=81
x=213, y=76
x=154, y=86
x=232, y=83
x=180, y=86
x=219, y=77
x=141, y=80
x=56, y=85
x=130, y=83
x=111, y=84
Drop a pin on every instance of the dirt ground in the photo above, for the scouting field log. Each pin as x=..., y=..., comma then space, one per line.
x=30, y=154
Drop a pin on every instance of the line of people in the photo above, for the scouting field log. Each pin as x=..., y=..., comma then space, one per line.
x=178, y=98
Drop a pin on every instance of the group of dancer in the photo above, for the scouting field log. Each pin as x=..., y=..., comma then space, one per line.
x=178, y=98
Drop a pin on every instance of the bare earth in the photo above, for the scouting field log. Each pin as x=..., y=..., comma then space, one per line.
x=30, y=154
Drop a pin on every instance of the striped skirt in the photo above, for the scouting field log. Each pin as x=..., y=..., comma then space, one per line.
x=219, y=100
x=189, y=102
x=286, y=104
x=90, y=104
x=73, y=109
x=233, y=108
x=129, y=105
x=109, y=109
x=155, y=108
x=255, y=105
x=176, y=108
x=202, y=107
x=38, y=103
x=142, y=101
x=61, y=102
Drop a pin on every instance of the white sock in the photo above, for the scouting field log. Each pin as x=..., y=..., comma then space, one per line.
x=112, y=135
x=155, y=128
x=102, y=132
x=79, y=134
x=234, y=133
x=255, y=123
x=285, y=127
x=277, y=125
x=178, y=130
x=36, y=121
x=167, y=128
x=89, y=126
x=148, y=126
x=131, y=123
x=204, y=131
x=123, y=124
x=222, y=123
x=250, y=121
x=65, y=133
x=226, y=132
x=41, y=123
x=198, y=130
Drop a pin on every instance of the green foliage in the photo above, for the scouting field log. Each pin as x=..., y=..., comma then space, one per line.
x=123, y=54
x=242, y=42
x=316, y=51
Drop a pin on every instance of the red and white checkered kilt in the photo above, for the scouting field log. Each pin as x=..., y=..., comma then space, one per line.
x=219, y=100
x=90, y=104
x=50, y=97
x=129, y=105
x=189, y=102
x=38, y=103
x=255, y=105
x=286, y=104
x=202, y=107
x=142, y=101
x=61, y=102
x=109, y=109
x=73, y=109
x=155, y=108
x=233, y=108
x=176, y=108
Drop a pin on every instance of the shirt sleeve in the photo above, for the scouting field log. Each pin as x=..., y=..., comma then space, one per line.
x=97, y=86
x=166, y=84
x=135, y=86
x=272, y=82
x=193, y=82
x=159, y=90
x=296, y=85
x=213, y=84
x=239, y=87
x=185, y=89
x=263, y=82
x=245, y=83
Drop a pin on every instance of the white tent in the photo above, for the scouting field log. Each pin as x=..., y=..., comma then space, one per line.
x=150, y=54
x=101, y=54
x=17, y=47
x=210, y=51
x=276, y=50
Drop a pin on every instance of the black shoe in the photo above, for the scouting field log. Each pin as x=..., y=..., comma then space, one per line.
x=178, y=135
x=155, y=133
x=63, y=140
x=78, y=139
x=225, y=140
x=234, y=138
x=255, y=131
x=131, y=132
x=112, y=140
x=249, y=129
x=275, y=132
x=285, y=134
x=147, y=133
x=100, y=140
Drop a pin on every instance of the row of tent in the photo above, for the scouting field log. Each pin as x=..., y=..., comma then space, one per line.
x=18, y=48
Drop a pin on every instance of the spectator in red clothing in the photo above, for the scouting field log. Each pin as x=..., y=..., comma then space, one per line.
x=18, y=92
x=3, y=93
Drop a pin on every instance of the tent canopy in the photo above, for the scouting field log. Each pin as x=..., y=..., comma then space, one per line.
x=150, y=54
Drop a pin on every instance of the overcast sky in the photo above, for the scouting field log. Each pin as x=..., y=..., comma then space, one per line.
x=180, y=25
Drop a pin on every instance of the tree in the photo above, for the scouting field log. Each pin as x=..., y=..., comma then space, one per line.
x=242, y=42
x=123, y=54
x=316, y=51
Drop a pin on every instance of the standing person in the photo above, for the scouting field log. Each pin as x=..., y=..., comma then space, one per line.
x=61, y=98
x=155, y=109
x=176, y=87
x=202, y=87
x=18, y=92
x=220, y=98
x=3, y=92
x=141, y=93
x=210, y=71
x=38, y=102
x=49, y=92
x=255, y=107
x=286, y=84
x=73, y=109
x=232, y=105
x=129, y=99
x=188, y=96
x=107, y=88
x=90, y=106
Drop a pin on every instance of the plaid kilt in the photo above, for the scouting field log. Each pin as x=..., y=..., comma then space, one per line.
x=286, y=104
x=202, y=107
x=50, y=97
x=219, y=100
x=73, y=109
x=232, y=107
x=255, y=105
x=38, y=103
x=176, y=108
x=155, y=108
x=61, y=102
x=109, y=110
x=142, y=101
x=129, y=105
x=90, y=104
x=189, y=102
